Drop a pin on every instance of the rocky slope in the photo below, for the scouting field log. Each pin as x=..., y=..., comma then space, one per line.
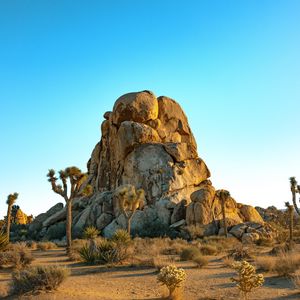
x=147, y=142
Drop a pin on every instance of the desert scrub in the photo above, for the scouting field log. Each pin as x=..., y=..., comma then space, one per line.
x=40, y=278
x=17, y=256
x=172, y=277
x=200, y=261
x=43, y=246
x=228, y=261
x=195, y=231
x=189, y=253
x=240, y=253
x=265, y=263
x=247, y=279
x=286, y=264
x=208, y=250
x=31, y=245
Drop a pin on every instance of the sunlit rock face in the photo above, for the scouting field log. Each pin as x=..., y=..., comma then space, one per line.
x=146, y=141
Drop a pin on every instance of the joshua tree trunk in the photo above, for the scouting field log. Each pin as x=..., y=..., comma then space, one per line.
x=294, y=202
x=69, y=225
x=291, y=225
x=8, y=220
x=128, y=219
x=224, y=218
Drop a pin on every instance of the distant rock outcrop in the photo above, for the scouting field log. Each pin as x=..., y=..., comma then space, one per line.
x=147, y=142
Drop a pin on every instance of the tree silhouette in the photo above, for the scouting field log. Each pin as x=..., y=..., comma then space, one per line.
x=76, y=180
x=11, y=199
x=223, y=195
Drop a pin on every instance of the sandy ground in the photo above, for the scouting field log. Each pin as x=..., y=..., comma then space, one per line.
x=126, y=283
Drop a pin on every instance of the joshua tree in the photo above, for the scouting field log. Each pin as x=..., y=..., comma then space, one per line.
x=76, y=179
x=223, y=196
x=11, y=199
x=290, y=209
x=129, y=200
x=295, y=189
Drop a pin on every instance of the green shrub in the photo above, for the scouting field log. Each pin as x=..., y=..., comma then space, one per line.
x=121, y=237
x=108, y=252
x=46, y=246
x=189, y=253
x=40, y=278
x=90, y=232
x=87, y=255
x=200, y=261
x=208, y=250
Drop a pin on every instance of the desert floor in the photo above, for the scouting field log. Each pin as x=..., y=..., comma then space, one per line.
x=100, y=282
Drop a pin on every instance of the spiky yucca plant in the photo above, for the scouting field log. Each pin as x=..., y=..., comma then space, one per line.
x=223, y=195
x=11, y=199
x=78, y=188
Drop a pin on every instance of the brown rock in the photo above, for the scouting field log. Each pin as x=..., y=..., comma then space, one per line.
x=138, y=107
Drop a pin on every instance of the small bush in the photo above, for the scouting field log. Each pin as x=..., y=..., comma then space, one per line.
x=189, y=253
x=240, y=253
x=18, y=256
x=228, y=261
x=172, y=277
x=91, y=232
x=107, y=252
x=121, y=237
x=40, y=278
x=87, y=255
x=195, y=231
x=44, y=246
x=208, y=250
x=200, y=261
x=287, y=264
x=265, y=263
x=247, y=278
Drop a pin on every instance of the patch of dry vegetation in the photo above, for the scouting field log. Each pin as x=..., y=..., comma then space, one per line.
x=16, y=256
x=44, y=246
x=37, y=279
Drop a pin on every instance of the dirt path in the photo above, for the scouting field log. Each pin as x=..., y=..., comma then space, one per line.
x=128, y=283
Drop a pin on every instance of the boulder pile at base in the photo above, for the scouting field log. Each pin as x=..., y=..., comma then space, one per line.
x=146, y=141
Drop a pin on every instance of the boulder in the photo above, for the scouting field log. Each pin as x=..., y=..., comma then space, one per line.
x=138, y=107
x=250, y=214
x=147, y=142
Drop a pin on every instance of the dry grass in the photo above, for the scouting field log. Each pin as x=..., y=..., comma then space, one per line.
x=17, y=256
x=43, y=246
x=266, y=263
x=36, y=279
x=189, y=253
x=287, y=264
x=200, y=261
x=228, y=261
x=208, y=250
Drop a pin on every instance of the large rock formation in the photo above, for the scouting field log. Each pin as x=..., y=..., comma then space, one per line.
x=147, y=142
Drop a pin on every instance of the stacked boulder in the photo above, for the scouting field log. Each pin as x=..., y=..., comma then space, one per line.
x=147, y=142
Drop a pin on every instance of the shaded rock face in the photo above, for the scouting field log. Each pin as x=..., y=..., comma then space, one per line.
x=147, y=142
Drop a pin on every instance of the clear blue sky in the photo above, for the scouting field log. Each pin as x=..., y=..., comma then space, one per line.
x=234, y=67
